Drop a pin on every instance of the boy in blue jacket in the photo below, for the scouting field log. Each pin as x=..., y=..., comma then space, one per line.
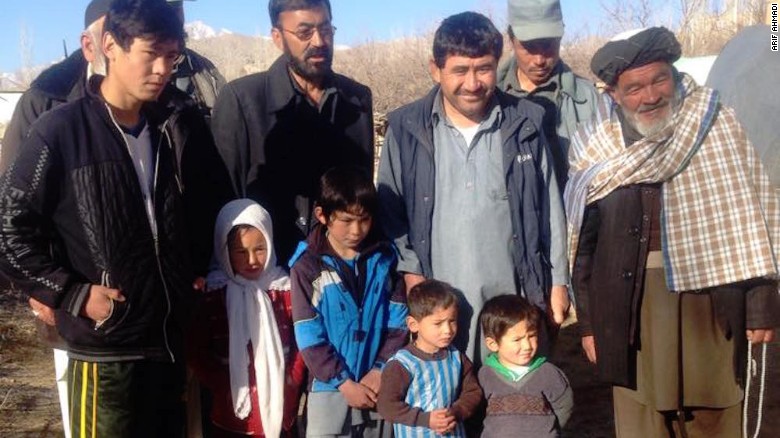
x=349, y=307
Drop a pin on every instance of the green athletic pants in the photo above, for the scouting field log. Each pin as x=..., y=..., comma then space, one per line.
x=125, y=399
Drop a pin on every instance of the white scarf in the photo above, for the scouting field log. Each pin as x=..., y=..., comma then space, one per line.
x=251, y=318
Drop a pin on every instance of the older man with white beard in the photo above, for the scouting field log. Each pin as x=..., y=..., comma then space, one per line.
x=673, y=229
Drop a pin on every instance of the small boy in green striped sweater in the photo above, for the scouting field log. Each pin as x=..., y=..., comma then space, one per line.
x=526, y=395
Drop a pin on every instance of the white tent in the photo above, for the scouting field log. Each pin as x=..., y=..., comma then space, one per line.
x=8, y=100
x=698, y=67
x=745, y=74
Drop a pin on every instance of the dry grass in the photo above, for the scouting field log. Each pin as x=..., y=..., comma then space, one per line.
x=396, y=71
x=28, y=399
x=237, y=55
x=577, y=53
x=14, y=337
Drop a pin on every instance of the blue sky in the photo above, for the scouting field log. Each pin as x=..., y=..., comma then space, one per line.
x=46, y=23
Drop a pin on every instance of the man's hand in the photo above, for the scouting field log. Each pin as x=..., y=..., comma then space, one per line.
x=357, y=395
x=42, y=311
x=441, y=421
x=372, y=380
x=98, y=306
x=761, y=336
x=411, y=280
x=558, y=308
x=589, y=345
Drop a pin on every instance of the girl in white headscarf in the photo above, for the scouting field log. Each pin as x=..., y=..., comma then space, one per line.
x=242, y=345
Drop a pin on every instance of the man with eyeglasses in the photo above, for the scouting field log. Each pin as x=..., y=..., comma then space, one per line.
x=279, y=130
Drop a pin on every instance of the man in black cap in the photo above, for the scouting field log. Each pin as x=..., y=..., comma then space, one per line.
x=60, y=83
x=667, y=195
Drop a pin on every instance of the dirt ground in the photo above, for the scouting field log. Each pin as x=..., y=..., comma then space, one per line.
x=29, y=406
x=28, y=397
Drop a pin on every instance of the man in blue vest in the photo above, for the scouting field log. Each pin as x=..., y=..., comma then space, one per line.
x=467, y=187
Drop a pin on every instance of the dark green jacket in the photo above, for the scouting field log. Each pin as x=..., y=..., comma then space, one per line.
x=575, y=99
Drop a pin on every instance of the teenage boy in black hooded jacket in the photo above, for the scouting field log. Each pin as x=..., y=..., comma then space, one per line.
x=98, y=181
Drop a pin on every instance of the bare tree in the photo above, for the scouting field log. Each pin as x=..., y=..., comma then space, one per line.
x=692, y=17
x=578, y=51
x=26, y=54
x=747, y=12
x=237, y=55
x=757, y=10
x=489, y=9
x=625, y=15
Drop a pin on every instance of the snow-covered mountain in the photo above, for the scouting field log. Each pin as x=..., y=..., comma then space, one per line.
x=19, y=79
x=8, y=81
x=234, y=54
x=198, y=30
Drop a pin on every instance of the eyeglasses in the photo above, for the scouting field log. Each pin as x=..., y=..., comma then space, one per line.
x=306, y=33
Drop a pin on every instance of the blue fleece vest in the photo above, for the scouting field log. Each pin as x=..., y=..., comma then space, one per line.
x=528, y=196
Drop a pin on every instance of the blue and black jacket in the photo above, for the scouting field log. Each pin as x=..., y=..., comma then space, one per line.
x=349, y=316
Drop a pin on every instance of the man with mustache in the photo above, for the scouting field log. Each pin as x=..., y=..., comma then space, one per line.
x=537, y=72
x=467, y=187
x=675, y=227
x=279, y=130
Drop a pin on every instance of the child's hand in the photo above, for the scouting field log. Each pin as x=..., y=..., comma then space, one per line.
x=357, y=395
x=199, y=284
x=372, y=380
x=442, y=421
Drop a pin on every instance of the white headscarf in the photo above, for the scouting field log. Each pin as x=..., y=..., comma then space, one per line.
x=251, y=317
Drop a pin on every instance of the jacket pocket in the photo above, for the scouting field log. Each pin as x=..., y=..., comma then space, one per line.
x=118, y=312
x=545, y=259
x=121, y=310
